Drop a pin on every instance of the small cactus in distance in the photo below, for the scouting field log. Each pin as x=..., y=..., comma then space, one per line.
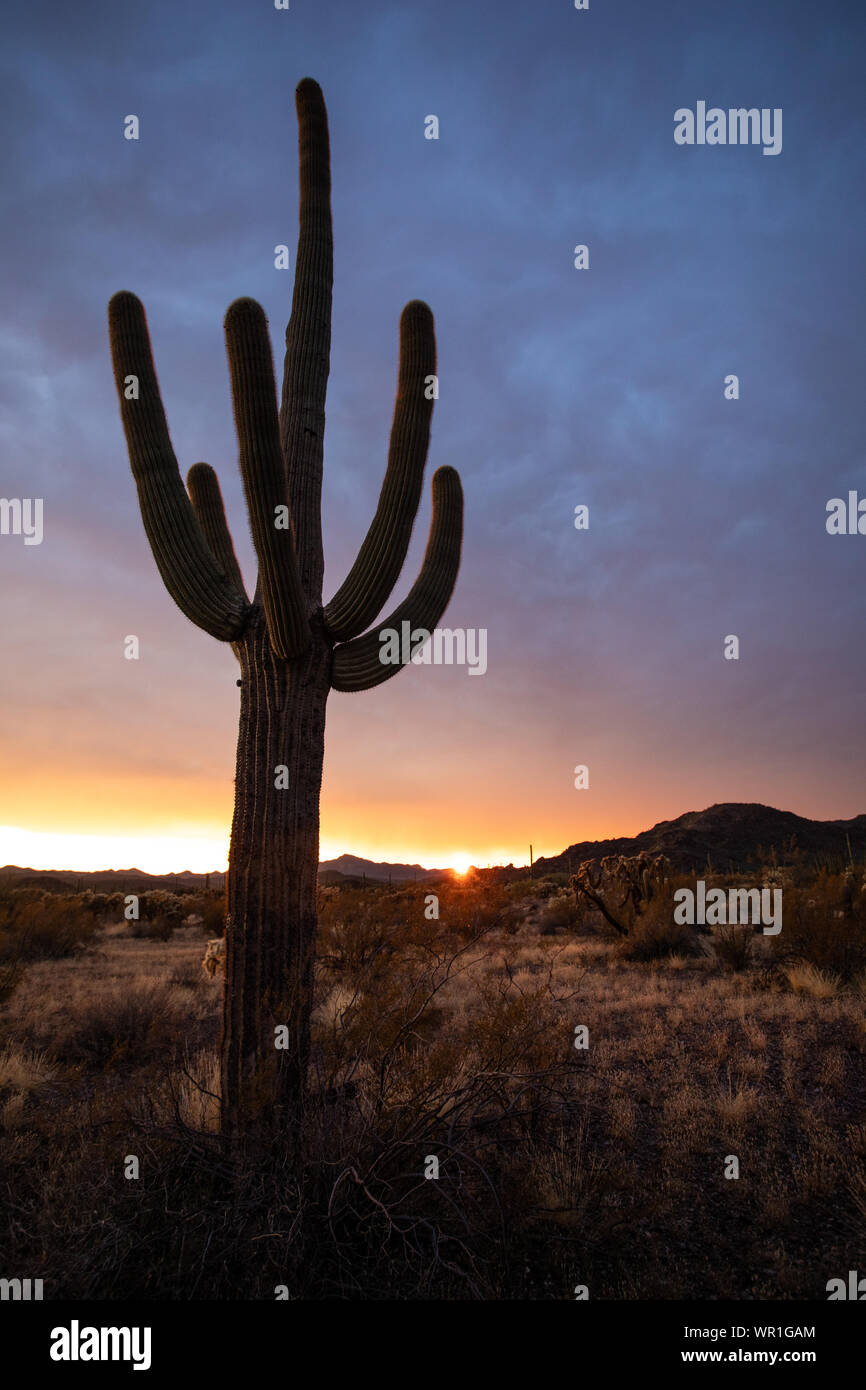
x=292, y=649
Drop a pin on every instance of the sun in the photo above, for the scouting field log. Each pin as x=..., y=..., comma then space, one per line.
x=461, y=864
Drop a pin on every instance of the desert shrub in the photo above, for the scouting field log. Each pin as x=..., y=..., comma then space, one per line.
x=128, y=1026
x=42, y=928
x=653, y=933
x=824, y=923
x=357, y=926
x=97, y=904
x=152, y=928
x=559, y=881
x=31, y=894
x=546, y=887
x=212, y=910
x=525, y=888
x=653, y=937
x=355, y=1216
x=11, y=975
x=560, y=913
x=389, y=1032
x=188, y=975
x=210, y=907
x=734, y=945
x=157, y=904
x=468, y=909
x=489, y=1093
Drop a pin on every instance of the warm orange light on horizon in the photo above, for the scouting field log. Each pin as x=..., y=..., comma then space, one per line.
x=199, y=853
x=152, y=854
x=172, y=811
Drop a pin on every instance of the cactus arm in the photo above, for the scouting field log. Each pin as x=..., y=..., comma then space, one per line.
x=189, y=571
x=251, y=370
x=204, y=492
x=356, y=664
x=308, y=338
x=368, y=585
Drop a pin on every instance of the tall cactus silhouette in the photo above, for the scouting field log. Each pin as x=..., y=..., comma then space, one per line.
x=292, y=650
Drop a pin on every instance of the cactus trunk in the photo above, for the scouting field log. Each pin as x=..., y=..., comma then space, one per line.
x=273, y=867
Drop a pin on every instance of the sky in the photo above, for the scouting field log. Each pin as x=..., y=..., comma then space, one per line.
x=559, y=387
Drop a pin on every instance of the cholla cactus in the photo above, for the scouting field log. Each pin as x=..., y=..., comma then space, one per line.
x=158, y=902
x=292, y=650
x=621, y=887
x=214, y=957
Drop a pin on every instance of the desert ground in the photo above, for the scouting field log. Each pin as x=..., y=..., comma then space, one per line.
x=583, y=1096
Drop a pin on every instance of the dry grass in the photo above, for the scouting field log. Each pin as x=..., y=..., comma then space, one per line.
x=453, y=1038
x=805, y=978
x=736, y=1103
x=24, y=1070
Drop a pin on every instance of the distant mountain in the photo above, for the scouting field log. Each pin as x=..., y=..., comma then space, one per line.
x=728, y=834
x=347, y=867
x=108, y=880
x=350, y=866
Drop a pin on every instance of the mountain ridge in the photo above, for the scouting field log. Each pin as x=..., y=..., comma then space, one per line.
x=728, y=833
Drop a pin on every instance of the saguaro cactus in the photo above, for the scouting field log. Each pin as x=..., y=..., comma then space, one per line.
x=292, y=650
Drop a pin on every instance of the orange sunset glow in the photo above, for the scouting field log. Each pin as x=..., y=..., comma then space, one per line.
x=138, y=770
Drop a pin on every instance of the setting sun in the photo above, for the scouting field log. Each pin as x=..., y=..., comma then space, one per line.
x=461, y=864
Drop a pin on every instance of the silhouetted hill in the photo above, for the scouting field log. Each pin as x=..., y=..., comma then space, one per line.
x=108, y=880
x=350, y=866
x=733, y=833
x=347, y=869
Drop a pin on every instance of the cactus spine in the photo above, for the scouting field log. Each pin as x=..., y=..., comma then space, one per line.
x=292, y=650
